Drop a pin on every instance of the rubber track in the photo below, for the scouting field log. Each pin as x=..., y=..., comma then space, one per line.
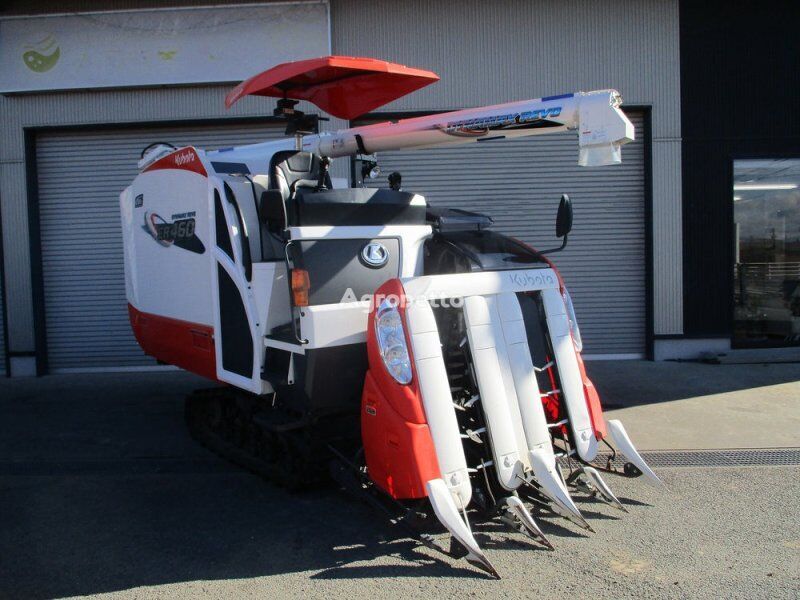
x=289, y=470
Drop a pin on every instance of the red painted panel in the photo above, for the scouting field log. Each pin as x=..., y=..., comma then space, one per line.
x=398, y=446
x=186, y=345
x=400, y=455
x=405, y=399
x=593, y=402
x=185, y=159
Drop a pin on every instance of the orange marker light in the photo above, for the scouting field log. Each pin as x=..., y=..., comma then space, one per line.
x=300, y=286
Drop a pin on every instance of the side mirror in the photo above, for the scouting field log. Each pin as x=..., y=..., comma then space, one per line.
x=564, y=218
x=563, y=223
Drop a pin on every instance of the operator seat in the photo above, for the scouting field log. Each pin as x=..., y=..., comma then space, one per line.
x=292, y=169
x=289, y=170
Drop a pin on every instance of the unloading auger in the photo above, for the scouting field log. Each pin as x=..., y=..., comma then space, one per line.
x=421, y=359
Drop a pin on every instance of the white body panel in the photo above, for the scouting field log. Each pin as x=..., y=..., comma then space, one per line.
x=498, y=401
x=534, y=421
x=437, y=401
x=531, y=410
x=160, y=278
x=480, y=284
x=569, y=374
x=334, y=324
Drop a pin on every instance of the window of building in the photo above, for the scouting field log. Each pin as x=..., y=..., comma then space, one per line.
x=766, y=214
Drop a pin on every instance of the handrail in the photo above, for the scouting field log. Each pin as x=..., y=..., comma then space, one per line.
x=243, y=237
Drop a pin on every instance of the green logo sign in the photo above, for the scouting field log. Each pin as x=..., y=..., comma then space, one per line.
x=43, y=55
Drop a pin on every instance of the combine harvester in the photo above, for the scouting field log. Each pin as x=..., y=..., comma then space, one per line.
x=421, y=359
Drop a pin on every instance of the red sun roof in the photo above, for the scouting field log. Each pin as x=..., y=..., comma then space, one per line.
x=343, y=86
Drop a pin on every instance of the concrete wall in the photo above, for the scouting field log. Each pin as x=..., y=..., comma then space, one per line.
x=486, y=52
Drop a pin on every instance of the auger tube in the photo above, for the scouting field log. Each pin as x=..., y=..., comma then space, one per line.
x=596, y=117
x=601, y=126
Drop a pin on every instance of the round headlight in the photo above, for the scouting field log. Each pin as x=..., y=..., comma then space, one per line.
x=392, y=342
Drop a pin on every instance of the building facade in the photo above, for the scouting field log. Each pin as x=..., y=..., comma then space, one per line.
x=68, y=147
x=740, y=84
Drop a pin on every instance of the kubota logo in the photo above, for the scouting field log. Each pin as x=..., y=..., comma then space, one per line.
x=375, y=255
x=183, y=158
x=529, y=280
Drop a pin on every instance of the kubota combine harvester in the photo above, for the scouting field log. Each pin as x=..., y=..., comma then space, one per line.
x=421, y=359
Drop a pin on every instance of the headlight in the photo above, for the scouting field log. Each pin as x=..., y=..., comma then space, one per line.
x=573, y=322
x=392, y=342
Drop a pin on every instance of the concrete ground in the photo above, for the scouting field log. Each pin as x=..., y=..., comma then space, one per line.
x=103, y=492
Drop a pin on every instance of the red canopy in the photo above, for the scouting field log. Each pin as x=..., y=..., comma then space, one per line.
x=343, y=86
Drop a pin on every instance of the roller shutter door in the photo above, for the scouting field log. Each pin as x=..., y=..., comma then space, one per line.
x=2, y=331
x=519, y=184
x=81, y=175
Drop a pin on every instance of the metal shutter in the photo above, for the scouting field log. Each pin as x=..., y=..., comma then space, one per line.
x=519, y=184
x=2, y=330
x=81, y=175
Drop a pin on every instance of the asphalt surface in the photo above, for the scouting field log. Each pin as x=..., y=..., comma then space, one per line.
x=103, y=492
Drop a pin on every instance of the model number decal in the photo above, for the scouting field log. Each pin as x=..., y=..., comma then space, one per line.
x=179, y=232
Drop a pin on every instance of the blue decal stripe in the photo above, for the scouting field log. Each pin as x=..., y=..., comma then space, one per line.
x=548, y=98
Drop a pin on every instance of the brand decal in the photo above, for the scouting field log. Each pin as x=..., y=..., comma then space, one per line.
x=183, y=158
x=375, y=255
x=529, y=280
x=180, y=231
x=483, y=125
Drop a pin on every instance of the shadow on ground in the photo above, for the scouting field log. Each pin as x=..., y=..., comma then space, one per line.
x=633, y=383
x=102, y=489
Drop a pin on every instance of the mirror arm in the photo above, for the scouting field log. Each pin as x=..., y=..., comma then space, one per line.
x=559, y=249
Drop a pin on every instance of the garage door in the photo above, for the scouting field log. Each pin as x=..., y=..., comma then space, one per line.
x=519, y=184
x=2, y=330
x=80, y=177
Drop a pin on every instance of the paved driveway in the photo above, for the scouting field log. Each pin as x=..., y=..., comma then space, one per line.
x=102, y=491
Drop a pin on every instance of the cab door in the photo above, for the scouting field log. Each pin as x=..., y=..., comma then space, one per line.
x=237, y=341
